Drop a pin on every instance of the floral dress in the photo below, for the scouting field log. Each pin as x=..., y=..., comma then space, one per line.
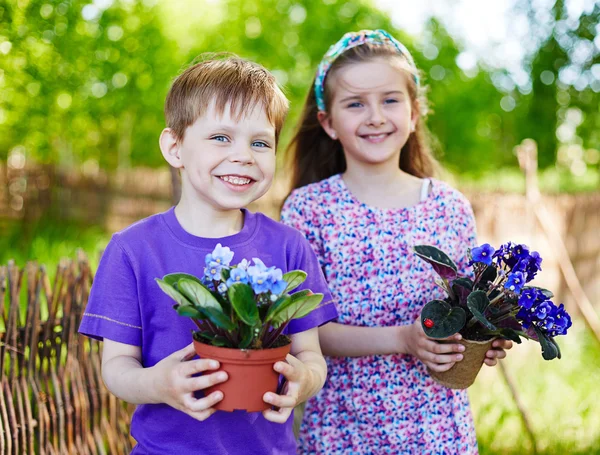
x=382, y=404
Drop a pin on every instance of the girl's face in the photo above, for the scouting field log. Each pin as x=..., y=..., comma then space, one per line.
x=371, y=112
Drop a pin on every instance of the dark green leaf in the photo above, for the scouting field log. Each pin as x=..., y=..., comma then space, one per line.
x=447, y=320
x=549, y=349
x=441, y=263
x=477, y=303
x=218, y=318
x=247, y=333
x=243, y=302
x=511, y=334
x=489, y=274
x=190, y=311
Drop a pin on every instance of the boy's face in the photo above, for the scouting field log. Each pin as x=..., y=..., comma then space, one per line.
x=225, y=163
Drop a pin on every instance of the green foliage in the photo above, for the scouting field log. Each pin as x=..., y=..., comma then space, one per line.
x=239, y=318
x=447, y=320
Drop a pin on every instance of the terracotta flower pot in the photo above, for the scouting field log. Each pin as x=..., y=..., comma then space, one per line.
x=250, y=372
x=463, y=373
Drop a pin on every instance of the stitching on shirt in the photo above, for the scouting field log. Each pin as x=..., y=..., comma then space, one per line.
x=99, y=316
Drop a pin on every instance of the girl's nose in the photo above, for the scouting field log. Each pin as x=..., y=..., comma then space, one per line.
x=376, y=117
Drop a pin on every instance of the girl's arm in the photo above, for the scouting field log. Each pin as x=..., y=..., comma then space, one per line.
x=339, y=340
x=170, y=381
x=305, y=373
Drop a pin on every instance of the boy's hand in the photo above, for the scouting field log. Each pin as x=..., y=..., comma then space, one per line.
x=498, y=351
x=437, y=356
x=299, y=381
x=174, y=382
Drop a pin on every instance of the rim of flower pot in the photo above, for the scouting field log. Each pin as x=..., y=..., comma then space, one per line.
x=234, y=355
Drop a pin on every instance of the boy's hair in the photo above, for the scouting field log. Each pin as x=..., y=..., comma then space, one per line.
x=224, y=79
x=315, y=156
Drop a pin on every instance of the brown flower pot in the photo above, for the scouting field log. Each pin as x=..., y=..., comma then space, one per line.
x=463, y=373
x=251, y=375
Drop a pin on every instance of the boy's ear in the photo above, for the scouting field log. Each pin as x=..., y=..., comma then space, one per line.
x=325, y=121
x=170, y=148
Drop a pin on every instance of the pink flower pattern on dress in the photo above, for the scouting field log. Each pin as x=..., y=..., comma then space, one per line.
x=384, y=404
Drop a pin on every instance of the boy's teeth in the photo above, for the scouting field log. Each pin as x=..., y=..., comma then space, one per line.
x=236, y=180
x=376, y=136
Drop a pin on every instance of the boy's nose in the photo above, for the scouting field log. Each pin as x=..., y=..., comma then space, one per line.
x=241, y=154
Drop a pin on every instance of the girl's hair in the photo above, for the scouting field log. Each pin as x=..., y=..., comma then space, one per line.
x=315, y=156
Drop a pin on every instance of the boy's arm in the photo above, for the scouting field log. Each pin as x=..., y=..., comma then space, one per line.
x=305, y=373
x=170, y=381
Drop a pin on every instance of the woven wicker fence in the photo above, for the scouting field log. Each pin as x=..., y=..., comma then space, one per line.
x=53, y=400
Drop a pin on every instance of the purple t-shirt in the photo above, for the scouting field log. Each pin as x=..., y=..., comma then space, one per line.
x=126, y=305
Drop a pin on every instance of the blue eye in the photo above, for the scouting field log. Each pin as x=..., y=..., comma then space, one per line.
x=390, y=101
x=260, y=144
x=220, y=138
x=355, y=104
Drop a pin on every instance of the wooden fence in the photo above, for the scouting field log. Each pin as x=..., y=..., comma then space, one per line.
x=53, y=401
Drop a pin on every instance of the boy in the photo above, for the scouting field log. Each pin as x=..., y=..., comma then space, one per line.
x=223, y=123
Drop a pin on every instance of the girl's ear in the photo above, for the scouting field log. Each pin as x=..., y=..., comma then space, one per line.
x=325, y=121
x=170, y=148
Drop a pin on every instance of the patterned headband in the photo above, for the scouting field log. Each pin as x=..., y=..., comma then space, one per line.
x=354, y=39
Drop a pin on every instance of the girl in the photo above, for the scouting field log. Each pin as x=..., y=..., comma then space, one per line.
x=363, y=197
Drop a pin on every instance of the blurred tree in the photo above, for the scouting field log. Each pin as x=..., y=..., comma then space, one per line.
x=82, y=82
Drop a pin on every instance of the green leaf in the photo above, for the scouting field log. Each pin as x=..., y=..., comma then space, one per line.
x=511, y=334
x=293, y=279
x=296, y=307
x=218, y=318
x=477, y=302
x=172, y=292
x=440, y=261
x=553, y=341
x=447, y=320
x=189, y=311
x=198, y=293
x=173, y=278
x=243, y=302
x=549, y=349
x=489, y=274
x=247, y=333
x=283, y=300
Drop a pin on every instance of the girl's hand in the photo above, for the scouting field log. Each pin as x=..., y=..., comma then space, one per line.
x=174, y=382
x=498, y=351
x=437, y=356
x=299, y=381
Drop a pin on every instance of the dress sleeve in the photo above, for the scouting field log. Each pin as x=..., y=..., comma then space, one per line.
x=300, y=212
x=302, y=257
x=113, y=310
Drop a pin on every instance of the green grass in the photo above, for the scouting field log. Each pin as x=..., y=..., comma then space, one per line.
x=561, y=398
x=47, y=242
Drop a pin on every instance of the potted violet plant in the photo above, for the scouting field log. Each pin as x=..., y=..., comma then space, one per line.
x=241, y=312
x=493, y=302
